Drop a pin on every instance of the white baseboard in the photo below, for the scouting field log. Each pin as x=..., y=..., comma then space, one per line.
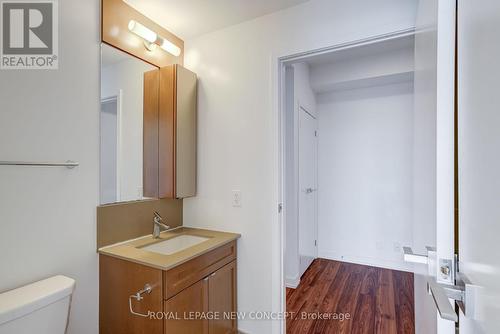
x=304, y=263
x=368, y=261
x=292, y=282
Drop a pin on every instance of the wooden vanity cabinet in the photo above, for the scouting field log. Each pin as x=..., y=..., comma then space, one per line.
x=193, y=299
x=118, y=279
x=170, y=126
x=196, y=297
x=222, y=292
x=214, y=296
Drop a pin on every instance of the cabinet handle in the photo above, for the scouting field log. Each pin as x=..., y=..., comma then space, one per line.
x=138, y=296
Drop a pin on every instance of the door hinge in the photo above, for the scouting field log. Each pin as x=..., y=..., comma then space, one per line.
x=316, y=243
x=280, y=207
x=315, y=133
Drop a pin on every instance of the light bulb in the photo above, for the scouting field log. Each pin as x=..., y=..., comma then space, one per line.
x=170, y=47
x=151, y=37
x=142, y=31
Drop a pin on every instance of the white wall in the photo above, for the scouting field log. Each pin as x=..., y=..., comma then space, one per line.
x=237, y=134
x=47, y=215
x=365, y=97
x=368, y=67
x=365, y=174
x=303, y=93
x=128, y=76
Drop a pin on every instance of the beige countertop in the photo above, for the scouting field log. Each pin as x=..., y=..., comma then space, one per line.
x=131, y=250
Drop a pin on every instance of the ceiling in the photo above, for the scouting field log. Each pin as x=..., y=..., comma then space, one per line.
x=190, y=18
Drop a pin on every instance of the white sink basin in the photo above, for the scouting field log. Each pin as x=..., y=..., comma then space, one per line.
x=175, y=244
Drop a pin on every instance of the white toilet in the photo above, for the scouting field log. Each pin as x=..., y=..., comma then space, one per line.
x=41, y=307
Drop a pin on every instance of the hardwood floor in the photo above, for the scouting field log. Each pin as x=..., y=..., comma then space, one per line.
x=376, y=300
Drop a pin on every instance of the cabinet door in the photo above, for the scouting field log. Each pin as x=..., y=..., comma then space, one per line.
x=222, y=299
x=150, y=134
x=118, y=279
x=177, y=125
x=183, y=311
x=166, y=132
x=185, y=134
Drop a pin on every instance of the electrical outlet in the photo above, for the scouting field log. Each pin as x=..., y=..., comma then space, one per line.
x=237, y=198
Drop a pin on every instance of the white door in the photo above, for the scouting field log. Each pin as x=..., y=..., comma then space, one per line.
x=479, y=160
x=434, y=155
x=308, y=186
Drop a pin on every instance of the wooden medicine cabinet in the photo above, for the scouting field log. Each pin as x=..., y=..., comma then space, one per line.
x=170, y=122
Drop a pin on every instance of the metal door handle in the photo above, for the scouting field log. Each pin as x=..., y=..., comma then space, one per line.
x=441, y=294
x=309, y=190
x=409, y=256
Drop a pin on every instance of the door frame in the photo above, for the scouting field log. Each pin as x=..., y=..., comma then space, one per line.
x=118, y=97
x=278, y=64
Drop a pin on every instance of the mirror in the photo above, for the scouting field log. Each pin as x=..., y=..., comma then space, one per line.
x=121, y=126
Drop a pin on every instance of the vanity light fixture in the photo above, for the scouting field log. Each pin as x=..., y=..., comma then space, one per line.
x=152, y=39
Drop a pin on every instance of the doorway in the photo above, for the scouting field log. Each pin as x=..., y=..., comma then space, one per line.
x=347, y=145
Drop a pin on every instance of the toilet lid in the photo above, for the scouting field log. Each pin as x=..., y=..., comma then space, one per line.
x=29, y=298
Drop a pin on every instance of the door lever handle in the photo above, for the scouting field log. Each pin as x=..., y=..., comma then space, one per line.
x=464, y=294
x=441, y=294
x=409, y=256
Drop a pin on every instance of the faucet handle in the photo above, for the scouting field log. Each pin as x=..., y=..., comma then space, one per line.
x=158, y=225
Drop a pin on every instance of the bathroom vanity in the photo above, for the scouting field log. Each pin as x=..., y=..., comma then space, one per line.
x=183, y=282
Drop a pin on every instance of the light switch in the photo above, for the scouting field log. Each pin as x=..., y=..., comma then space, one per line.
x=237, y=198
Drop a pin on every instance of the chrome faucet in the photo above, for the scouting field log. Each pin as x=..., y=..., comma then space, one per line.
x=158, y=225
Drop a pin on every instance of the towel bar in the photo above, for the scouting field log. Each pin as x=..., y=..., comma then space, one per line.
x=69, y=164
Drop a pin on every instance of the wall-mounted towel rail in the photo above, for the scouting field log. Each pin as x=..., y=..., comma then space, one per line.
x=68, y=164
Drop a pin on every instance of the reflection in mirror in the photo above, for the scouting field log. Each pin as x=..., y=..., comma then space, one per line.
x=121, y=117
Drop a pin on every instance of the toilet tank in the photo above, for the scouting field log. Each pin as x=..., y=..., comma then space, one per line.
x=41, y=307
